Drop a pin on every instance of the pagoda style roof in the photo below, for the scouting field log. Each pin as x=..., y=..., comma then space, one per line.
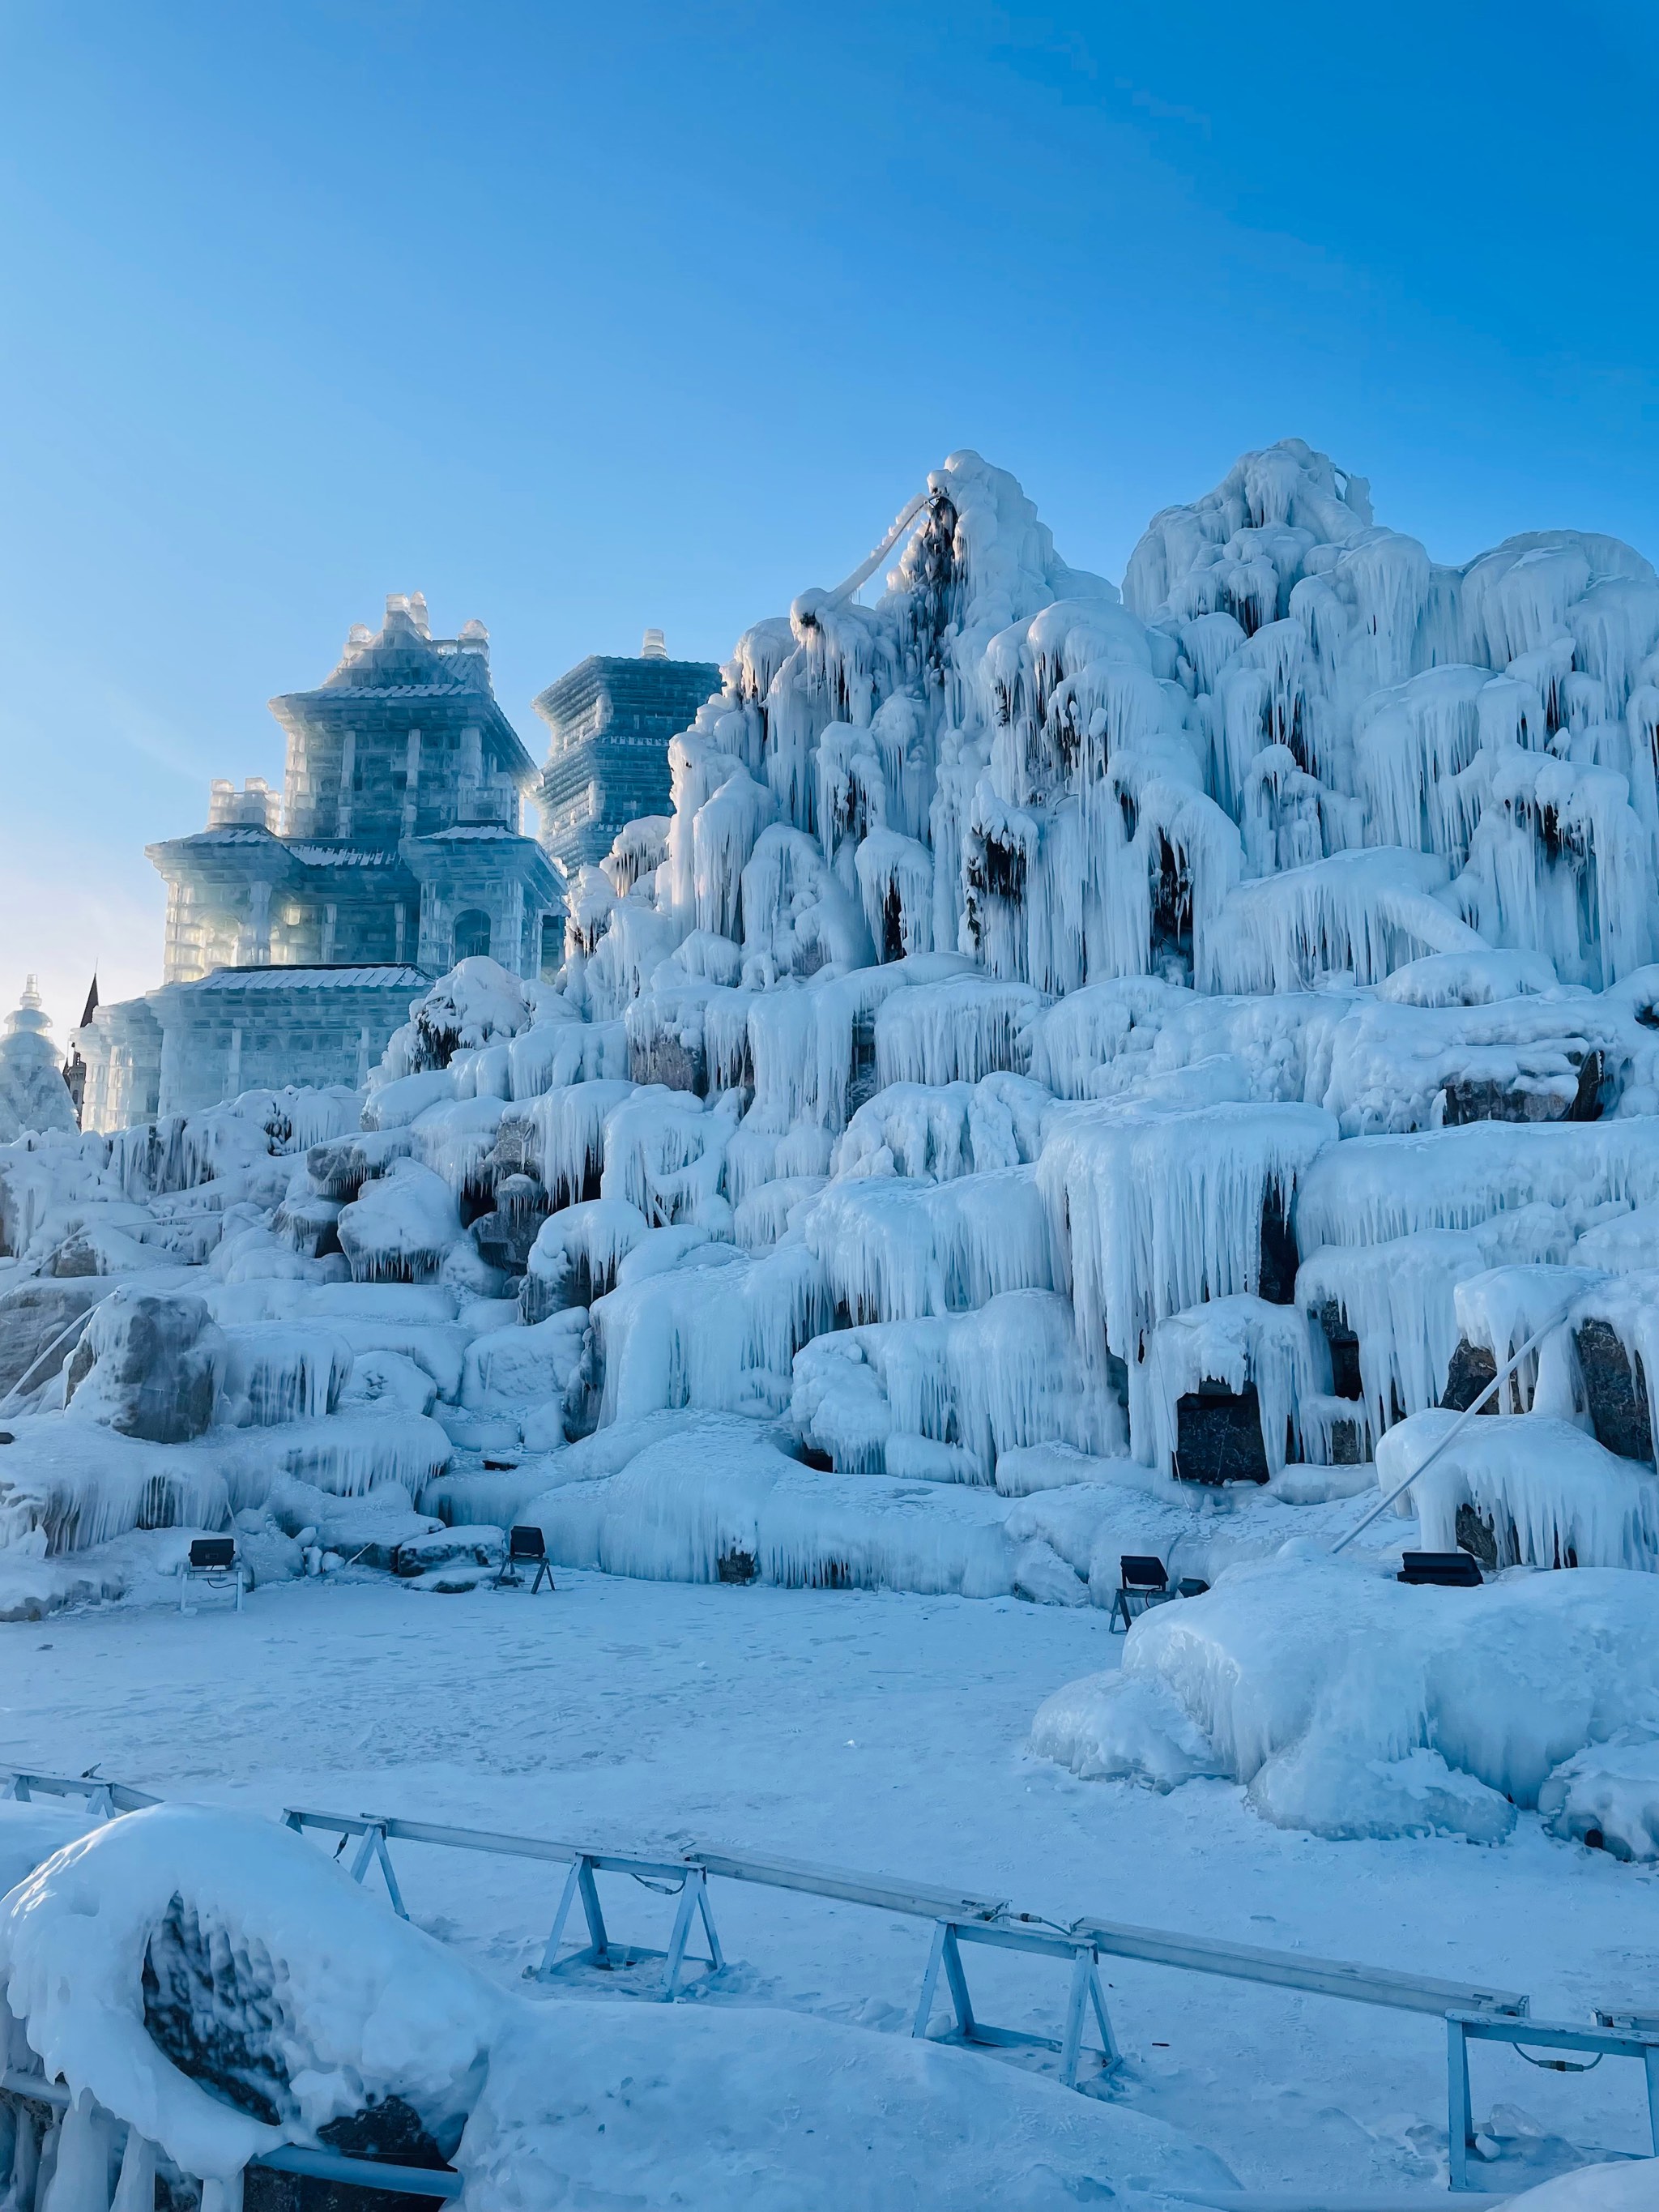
x=238, y=852
x=276, y=977
x=402, y=663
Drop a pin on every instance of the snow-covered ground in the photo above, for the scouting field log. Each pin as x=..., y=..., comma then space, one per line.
x=886, y=1733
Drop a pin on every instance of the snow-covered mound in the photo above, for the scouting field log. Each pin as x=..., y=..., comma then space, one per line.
x=1353, y=1706
x=218, y=1985
x=1626, y=2185
x=1075, y=1072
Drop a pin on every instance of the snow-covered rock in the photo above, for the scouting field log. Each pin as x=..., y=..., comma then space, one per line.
x=150, y=1364
x=1351, y=1706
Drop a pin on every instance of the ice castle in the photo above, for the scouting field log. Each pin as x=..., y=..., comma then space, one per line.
x=300, y=924
x=610, y=720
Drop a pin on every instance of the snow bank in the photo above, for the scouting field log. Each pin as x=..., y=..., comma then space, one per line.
x=1351, y=1704
x=1627, y=2185
x=746, y=2106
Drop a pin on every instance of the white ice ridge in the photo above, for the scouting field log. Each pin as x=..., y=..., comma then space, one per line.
x=1065, y=1054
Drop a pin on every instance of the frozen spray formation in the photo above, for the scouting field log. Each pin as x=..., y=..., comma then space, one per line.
x=1075, y=1072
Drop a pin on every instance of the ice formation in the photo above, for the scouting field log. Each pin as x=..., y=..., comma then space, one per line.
x=1074, y=1071
x=210, y=1986
x=1352, y=1706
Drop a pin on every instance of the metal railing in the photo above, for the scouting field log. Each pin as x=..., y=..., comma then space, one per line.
x=957, y=1916
x=290, y=2158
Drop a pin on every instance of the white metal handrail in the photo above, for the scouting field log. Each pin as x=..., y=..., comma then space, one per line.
x=1460, y=1423
x=1197, y=1954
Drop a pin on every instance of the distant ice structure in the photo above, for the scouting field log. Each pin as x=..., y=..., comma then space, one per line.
x=1072, y=1072
x=34, y=1095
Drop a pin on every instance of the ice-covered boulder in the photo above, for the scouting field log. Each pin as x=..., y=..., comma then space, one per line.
x=1607, y=1796
x=282, y=1371
x=1544, y=1492
x=479, y=1003
x=150, y=1364
x=401, y=1227
x=37, y=1326
x=1351, y=1706
x=470, y=1543
x=525, y=1366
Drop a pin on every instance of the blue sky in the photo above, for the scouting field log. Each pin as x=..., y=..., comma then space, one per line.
x=583, y=319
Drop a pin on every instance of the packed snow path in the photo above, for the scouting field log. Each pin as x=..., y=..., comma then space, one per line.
x=884, y=1731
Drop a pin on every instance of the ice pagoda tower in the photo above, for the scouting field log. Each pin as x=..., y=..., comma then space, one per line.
x=34, y=1095
x=610, y=720
x=300, y=924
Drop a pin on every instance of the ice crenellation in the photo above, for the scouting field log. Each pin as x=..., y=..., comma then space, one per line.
x=1063, y=1051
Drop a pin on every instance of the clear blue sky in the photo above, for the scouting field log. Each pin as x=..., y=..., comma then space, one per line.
x=583, y=319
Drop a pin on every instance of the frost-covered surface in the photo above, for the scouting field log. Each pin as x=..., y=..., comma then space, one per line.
x=180, y=1963
x=1629, y=2186
x=869, y=1730
x=1077, y=1072
x=1351, y=1706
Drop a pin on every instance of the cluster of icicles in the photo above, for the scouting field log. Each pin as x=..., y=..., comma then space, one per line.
x=1047, y=1012
x=1044, y=1006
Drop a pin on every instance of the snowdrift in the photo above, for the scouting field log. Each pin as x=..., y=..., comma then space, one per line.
x=1351, y=1706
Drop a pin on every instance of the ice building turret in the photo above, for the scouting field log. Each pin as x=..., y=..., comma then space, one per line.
x=32, y=1092
x=609, y=720
x=300, y=924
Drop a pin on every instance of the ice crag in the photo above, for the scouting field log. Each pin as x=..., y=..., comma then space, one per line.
x=1075, y=1072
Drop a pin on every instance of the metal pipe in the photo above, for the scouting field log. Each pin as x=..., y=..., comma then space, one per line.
x=288, y=2158
x=36, y=2087
x=80, y=1321
x=1459, y=1425
x=362, y=2173
x=867, y=568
